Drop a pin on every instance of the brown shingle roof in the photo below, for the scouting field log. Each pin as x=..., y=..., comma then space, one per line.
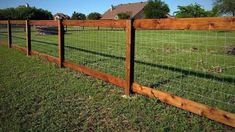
x=132, y=9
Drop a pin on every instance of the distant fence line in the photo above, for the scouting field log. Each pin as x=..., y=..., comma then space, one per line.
x=130, y=26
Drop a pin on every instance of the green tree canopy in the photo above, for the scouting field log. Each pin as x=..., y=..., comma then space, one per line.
x=225, y=6
x=23, y=13
x=193, y=10
x=94, y=16
x=123, y=16
x=78, y=16
x=156, y=9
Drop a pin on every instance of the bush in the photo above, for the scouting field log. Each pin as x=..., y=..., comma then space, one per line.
x=123, y=16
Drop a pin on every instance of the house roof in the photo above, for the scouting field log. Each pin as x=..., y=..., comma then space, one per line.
x=61, y=15
x=131, y=8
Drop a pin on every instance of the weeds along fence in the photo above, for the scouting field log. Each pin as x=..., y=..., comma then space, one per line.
x=188, y=63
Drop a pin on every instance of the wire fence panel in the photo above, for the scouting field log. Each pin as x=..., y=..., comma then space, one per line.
x=102, y=49
x=44, y=39
x=18, y=34
x=3, y=32
x=197, y=65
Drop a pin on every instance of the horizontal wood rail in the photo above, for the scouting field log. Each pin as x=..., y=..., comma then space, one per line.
x=216, y=23
x=18, y=22
x=3, y=22
x=96, y=23
x=43, y=22
x=103, y=76
x=188, y=105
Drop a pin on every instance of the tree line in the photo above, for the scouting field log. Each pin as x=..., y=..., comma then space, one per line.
x=153, y=9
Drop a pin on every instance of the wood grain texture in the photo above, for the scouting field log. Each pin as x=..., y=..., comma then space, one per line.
x=28, y=37
x=188, y=105
x=130, y=56
x=18, y=22
x=9, y=34
x=61, y=43
x=3, y=22
x=96, y=23
x=43, y=22
x=103, y=76
x=216, y=23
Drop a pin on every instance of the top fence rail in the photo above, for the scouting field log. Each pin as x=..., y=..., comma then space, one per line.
x=210, y=23
x=214, y=23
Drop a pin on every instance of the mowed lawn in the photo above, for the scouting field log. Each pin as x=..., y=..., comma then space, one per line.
x=37, y=95
x=190, y=64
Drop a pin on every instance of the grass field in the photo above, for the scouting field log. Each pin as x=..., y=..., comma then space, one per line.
x=36, y=95
x=190, y=64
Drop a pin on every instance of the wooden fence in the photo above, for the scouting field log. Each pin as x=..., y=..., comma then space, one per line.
x=225, y=23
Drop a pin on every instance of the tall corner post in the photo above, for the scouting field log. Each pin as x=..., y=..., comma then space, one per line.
x=61, y=42
x=9, y=34
x=28, y=37
x=130, y=52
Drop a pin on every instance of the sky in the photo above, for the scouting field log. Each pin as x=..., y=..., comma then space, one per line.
x=88, y=6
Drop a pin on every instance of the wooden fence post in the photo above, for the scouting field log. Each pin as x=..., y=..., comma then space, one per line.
x=9, y=33
x=28, y=37
x=61, y=42
x=130, y=52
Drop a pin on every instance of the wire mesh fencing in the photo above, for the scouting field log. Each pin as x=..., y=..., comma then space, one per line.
x=196, y=65
x=3, y=32
x=102, y=49
x=44, y=39
x=18, y=34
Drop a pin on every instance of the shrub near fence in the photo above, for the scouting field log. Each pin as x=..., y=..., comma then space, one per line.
x=167, y=59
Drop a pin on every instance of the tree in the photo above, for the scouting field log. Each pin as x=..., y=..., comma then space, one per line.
x=123, y=16
x=23, y=13
x=78, y=16
x=192, y=10
x=225, y=6
x=94, y=16
x=156, y=9
x=214, y=12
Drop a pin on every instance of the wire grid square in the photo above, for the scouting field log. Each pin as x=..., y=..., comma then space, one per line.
x=3, y=33
x=44, y=39
x=18, y=32
x=102, y=49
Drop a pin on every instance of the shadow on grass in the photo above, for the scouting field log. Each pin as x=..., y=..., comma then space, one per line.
x=186, y=72
x=166, y=81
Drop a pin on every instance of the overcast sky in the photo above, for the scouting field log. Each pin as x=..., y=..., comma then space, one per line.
x=87, y=6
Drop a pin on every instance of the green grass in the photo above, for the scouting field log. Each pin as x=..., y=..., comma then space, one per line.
x=184, y=63
x=37, y=96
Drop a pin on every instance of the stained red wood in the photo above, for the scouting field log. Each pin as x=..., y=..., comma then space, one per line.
x=61, y=42
x=22, y=49
x=3, y=22
x=103, y=76
x=217, y=23
x=9, y=34
x=18, y=22
x=130, y=52
x=45, y=57
x=96, y=23
x=28, y=37
x=188, y=105
x=43, y=22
